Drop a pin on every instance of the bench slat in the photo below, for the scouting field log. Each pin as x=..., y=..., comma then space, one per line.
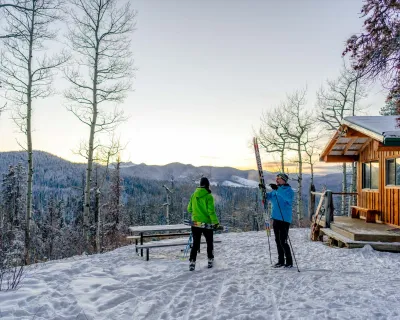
x=165, y=235
x=133, y=237
x=160, y=245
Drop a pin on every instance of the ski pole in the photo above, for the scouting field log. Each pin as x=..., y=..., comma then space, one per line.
x=290, y=243
x=187, y=247
x=268, y=229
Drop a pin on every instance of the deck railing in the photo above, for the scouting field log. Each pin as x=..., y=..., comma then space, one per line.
x=325, y=205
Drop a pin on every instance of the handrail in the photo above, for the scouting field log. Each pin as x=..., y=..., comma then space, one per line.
x=349, y=193
x=317, y=193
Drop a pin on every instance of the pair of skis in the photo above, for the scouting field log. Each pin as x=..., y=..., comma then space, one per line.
x=263, y=194
x=205, y=225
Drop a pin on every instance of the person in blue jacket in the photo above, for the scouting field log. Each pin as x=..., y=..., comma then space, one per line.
x=281, y=198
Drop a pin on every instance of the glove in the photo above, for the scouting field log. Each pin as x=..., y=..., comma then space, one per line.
x=217, y=226
x=261, y=186
x=273, y=186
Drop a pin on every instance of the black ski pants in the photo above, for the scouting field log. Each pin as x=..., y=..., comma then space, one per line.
x=281, y=230
x=196, y=234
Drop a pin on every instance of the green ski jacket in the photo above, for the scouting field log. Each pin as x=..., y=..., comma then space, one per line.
x=201, y=206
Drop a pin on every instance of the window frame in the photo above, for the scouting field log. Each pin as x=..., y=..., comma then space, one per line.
x=370, y=173
x=396, y=174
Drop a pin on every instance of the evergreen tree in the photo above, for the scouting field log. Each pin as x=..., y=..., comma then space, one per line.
x=13, y=195
x=390, y=108
x=113, y=218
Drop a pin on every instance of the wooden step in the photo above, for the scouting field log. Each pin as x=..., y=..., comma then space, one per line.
x=342, y=241
x=362, y=232
x=342, y=232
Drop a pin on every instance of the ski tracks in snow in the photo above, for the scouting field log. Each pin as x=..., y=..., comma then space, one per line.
x=120, y=285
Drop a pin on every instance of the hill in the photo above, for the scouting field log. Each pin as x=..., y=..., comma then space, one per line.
x=54, y=172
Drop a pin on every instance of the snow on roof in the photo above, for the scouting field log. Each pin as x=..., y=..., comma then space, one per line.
x=377, y=124
x=379, y=127
x=392, y=134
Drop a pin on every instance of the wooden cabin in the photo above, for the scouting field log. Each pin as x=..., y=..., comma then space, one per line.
x=374, y=143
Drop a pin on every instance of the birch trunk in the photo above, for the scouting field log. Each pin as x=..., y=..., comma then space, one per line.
x=29, y=143
x=89, y=167
x=299, y=188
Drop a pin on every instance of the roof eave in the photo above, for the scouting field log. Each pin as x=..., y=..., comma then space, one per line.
x=367, y=132
x=339, y=159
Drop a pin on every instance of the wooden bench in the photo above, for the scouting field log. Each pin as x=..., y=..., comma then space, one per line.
x=160, y=235
x=364, y=213
x=137, y=238
x=150, y=245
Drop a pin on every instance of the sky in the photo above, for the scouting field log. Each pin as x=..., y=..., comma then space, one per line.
x=206, y=71
x=356, y=284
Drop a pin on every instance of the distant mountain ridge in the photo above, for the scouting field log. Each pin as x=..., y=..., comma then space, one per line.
x=51, y=166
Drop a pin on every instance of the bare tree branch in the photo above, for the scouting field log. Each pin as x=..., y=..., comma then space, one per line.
x=26, y=72
x=340, y=98
x=99, y=36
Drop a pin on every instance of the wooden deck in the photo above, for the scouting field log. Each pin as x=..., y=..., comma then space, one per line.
x=356, y=233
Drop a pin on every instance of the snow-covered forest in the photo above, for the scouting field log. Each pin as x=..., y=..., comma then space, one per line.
x=58, y=200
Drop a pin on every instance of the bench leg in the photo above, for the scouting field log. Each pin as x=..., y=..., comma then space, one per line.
x=147, y=254
x=141, y=242
x=136, y=243
x=370, y=217
x=355, y=214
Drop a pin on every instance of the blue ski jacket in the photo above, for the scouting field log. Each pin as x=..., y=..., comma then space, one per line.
x=284, y=194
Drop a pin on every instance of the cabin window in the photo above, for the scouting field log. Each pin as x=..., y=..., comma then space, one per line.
x=393, y=172
x=370, y=175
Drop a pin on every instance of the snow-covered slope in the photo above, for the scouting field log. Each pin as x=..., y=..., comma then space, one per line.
x=333, y=284
x=245, y=182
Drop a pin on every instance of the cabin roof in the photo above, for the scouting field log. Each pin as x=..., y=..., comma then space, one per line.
x=356, y=132
x=380, y=128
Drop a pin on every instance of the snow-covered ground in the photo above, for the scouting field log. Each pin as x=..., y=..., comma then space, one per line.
x=332, y=284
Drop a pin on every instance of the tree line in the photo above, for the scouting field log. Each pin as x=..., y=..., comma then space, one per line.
x=57, y=208
x=96, y=61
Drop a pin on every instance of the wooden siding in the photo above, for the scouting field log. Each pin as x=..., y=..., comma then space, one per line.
x=385, y=199
x=390, y=194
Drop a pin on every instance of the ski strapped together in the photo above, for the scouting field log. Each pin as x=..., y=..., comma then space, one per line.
x=316, y=219
x=205, y=225
x=263, y=193
x=188, y=246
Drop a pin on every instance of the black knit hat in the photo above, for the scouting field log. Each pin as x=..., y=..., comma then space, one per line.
x=204, y=183
x=283, y=176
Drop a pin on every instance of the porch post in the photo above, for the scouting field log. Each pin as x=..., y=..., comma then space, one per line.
x=328, y=209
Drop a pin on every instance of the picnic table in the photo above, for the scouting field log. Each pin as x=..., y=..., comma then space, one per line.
x=171, y=230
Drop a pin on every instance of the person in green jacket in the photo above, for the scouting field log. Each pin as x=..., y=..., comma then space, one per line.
x=201, y=206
